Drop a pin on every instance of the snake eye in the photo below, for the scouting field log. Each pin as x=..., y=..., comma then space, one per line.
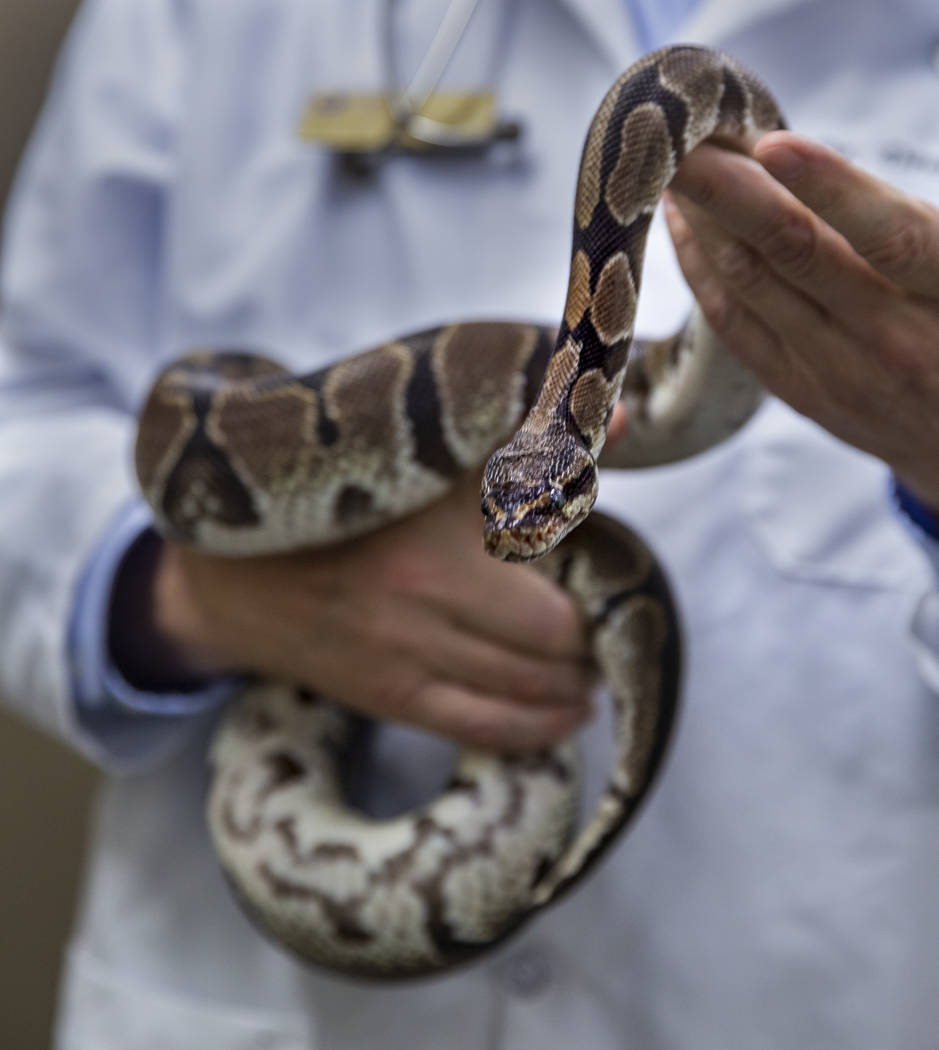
x=557, y=498
x=484, y=507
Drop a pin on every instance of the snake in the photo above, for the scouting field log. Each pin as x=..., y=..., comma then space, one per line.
x=239, y=456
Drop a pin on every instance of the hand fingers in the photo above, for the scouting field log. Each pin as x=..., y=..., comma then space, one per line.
x=513, y=606
x=438, y=558
x=495, y=628
x=747, y=203
x=441, y=679
x=485, y=666
x=848, y=382
x=897, y=234
x=487, y=721
x=738, y=326
x=516, y=607
x=394, y=667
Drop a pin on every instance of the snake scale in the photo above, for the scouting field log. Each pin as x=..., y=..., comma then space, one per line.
x=239, y=456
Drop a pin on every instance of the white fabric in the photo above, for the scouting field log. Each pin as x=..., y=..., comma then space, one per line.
x=778, y=890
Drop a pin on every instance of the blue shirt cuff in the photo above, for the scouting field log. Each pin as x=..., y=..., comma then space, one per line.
x=99, y=689
x=920, y=520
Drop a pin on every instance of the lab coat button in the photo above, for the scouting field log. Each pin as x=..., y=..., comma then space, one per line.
x=528, y=972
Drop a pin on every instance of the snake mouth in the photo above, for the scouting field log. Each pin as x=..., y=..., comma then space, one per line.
x=520, y=544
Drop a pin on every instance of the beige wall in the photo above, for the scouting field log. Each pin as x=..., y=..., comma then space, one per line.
x=44, y=790
x=30, y=33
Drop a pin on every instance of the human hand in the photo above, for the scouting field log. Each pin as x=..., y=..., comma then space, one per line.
x=414, y=623
x=825, y=282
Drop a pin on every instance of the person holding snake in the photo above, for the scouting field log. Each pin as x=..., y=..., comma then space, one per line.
x=784, y=861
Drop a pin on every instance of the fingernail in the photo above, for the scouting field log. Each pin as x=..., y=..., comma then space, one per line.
x=783, y=163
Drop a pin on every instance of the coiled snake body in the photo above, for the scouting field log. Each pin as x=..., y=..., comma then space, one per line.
x=239, y=456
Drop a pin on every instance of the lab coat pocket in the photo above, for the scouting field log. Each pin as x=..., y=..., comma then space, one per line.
x=103, y=1009
x=821, y=510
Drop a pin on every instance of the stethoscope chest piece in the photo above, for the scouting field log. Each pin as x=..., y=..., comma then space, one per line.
x=362, y=126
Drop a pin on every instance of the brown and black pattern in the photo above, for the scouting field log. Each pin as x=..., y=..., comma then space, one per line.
x=239, y=456
x=653, y=115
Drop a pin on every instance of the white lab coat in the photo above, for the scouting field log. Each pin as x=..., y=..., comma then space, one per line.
x=778, y=891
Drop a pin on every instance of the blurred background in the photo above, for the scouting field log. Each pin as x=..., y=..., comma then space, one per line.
x=45, y=790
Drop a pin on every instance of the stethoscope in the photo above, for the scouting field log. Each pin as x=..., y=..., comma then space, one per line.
x=363, y=128
x=414, y=129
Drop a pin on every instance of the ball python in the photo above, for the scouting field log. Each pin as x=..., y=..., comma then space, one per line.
x=239, y=456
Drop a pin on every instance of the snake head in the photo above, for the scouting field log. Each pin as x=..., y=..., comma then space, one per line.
x=534, y=492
